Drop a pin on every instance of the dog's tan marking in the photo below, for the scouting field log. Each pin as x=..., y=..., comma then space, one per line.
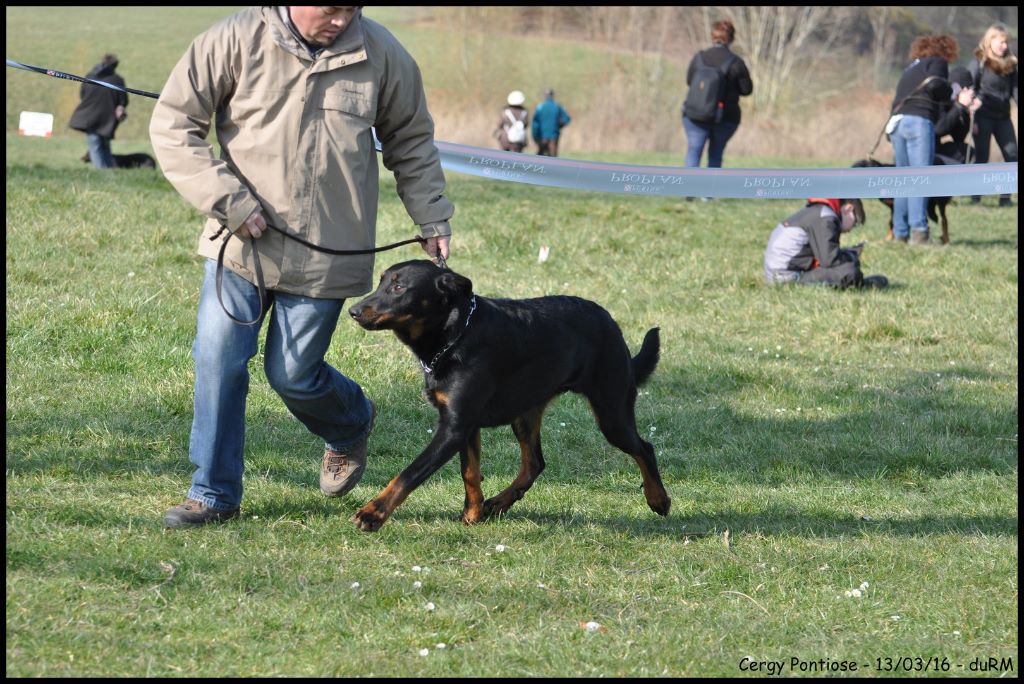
x=371, y=516
x=472, y=511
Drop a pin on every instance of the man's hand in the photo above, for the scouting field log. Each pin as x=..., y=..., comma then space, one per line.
x=433, y=244
x=253, y=227
x=120, y=113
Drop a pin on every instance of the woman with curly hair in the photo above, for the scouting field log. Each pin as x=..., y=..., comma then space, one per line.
x=994, y=69
x=922, y=89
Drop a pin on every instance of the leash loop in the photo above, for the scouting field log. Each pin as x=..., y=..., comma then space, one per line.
x=260, y=282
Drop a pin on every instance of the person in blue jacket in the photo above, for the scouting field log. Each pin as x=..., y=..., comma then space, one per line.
x=548, y=121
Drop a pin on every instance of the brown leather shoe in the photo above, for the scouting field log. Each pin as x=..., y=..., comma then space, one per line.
x=194, y=513
x=341, y=471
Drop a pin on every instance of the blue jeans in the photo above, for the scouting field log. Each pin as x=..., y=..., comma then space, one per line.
x=913, y=143
x=99, y=151
x=330, y=405
x=700, y=134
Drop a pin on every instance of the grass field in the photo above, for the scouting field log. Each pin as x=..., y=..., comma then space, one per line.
x=811, y=441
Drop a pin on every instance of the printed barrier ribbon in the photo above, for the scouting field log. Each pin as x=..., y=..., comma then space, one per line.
x=880, y=182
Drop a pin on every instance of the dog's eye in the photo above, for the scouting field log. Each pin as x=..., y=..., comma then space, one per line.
x=398, y=288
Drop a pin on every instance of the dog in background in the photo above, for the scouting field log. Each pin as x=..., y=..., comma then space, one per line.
x=934, y=203
x=490, y=362
x=138, y=160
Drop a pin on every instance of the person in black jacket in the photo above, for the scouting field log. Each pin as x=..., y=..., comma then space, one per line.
x=737, y=82
x=954, y=124
x=994, y=69
x=920, y=94
x=100, y=111
x=805, y=247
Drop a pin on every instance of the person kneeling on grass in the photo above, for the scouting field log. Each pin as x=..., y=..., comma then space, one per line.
x=805, y=247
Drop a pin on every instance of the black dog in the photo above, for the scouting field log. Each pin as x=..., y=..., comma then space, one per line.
x=934, y=203
x=138, y=160
x=490, y=362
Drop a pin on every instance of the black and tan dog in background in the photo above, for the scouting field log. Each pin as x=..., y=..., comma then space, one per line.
x=137, y=160
x=490, y=362
x=934, y=203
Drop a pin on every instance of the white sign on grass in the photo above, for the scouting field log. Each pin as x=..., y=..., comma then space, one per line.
x=36, y=123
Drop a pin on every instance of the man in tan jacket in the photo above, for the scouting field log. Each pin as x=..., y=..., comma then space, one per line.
x=294, y=94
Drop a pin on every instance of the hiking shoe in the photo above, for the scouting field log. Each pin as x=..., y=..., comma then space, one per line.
x=876, y=281
x=920, y=237
x=194, y=513
x=341, y=471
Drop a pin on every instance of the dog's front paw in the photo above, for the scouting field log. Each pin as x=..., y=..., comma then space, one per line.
x=472, y=516
x=661, y=505
x=369, y=518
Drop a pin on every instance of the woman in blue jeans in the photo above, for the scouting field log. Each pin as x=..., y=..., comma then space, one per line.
x=922, y=89
x=737, y=82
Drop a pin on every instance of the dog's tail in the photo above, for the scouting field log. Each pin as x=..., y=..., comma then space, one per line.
x=645, y=361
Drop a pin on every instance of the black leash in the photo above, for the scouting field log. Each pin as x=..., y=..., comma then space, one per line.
x=260, y=284
x=72, y=77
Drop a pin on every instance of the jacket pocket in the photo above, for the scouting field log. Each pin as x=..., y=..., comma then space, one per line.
x=349, y=104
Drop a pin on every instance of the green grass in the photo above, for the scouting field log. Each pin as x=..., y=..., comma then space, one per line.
x=839, y=437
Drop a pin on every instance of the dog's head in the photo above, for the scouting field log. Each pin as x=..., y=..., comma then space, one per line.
x=412, y=297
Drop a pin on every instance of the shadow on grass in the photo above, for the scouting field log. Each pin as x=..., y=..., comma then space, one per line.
x=983, y=244
x=771, y=521
x=768, y=522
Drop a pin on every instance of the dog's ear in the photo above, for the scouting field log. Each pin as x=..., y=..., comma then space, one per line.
x=451, y=283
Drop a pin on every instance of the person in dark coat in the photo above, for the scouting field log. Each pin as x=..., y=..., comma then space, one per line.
x=954, y=124
x=715, y=134
x=994, y=69
x=100, y=111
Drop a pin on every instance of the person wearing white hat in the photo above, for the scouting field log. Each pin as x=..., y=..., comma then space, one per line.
x=514, y=122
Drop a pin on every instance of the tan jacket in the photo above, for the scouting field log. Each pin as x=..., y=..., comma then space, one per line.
x=295, y=140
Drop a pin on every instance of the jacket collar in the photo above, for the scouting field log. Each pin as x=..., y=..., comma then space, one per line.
x=833, y=203
x=348, y=48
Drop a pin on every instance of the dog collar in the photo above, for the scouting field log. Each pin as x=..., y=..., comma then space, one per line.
x=438, y=355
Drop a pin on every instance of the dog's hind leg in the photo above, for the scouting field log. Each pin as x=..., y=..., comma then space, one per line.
x=945, y=223
x=472, y=509
x=618, y=424
x=527, y=430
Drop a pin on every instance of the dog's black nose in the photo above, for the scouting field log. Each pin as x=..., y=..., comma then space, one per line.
x=355, y=311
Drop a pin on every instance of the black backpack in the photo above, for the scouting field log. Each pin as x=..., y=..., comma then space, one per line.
x=703, y=102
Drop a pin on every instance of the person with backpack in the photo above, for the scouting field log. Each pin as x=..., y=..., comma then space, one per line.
x=548, y=121
x=711, y=112
x=511, y=130
x=994, y=69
